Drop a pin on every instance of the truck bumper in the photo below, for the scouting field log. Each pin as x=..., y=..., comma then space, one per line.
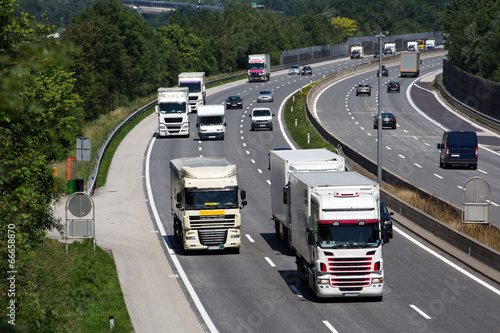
x=374, y=289
x=193, y=241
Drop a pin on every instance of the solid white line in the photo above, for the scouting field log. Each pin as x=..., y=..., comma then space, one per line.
x=330, y=327
x=270, y=262
x=171, y=253
x=446, y=261
x=250, y=238
x=422, y=313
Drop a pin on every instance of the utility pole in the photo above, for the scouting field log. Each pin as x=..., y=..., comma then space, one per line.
x=379, y=117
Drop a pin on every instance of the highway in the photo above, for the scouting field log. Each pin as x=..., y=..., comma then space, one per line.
x=258, y=290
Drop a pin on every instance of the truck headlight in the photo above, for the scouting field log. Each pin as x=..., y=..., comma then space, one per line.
x=235, y=236
x=377, y=280
x=322, y=281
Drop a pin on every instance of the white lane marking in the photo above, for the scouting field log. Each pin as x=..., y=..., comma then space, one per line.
x=422, y=313
x=440, y=177
x=259, y=170
x=171, y=253
x=296, y=291
x=268, y=181
x=446, y=261
x=250, y=238
x=418, y=165
x=330, y=327
x=270, y=262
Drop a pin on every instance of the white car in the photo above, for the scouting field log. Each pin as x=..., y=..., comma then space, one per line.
x=294, y=69
x=262, y=118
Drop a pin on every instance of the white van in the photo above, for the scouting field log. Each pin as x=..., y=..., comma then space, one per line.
x=211, y=121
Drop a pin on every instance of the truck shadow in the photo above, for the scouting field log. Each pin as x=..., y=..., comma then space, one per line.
x=276, y=244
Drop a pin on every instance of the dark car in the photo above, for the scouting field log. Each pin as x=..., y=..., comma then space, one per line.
x=458, y=148
x=376, y=54
x=385, y=218
x=234, y=102
x=388, y=50
x=306, y=70
x=388, y=120
x=363, y=88
x=355, y=54
x=393, y=86
x=385, y=72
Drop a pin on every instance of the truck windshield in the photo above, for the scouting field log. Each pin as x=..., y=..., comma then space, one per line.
x=194, y=87
x=214, y=120
x=255, y=65
x=351, y=235
x=173, y=108
x=214, y=199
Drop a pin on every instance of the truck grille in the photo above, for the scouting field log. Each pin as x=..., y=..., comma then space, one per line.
x=212, y=237
x=350, y=273
x=193, y=98
x=212, y=221
x=172, y=120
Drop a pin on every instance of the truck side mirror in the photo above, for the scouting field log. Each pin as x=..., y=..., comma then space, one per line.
x=286, y=197
x=385, y=236
x=243, y=194
x=197, y=125
x=440, y=146
x=311, y=239
x=178, y=197
x=225, y=124
x=157, y=109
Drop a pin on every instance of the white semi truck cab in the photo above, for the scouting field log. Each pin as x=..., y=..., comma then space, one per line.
x=206, y=202
x=173, y=109
x=195, y=82
x=337, y=233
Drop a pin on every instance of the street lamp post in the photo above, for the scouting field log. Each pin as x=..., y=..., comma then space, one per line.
x=379, y=117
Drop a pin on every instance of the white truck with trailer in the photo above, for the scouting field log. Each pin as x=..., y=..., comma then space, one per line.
x=173, y=112
x=336, y=233
x=259, y=67
x=410, y=64
x=195, y=82
x=390, y=48
x=430, y=44
x=211, y=121
x=206, y=203
x=284, y=162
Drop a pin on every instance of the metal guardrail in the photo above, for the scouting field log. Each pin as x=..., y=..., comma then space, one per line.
x=97, y=160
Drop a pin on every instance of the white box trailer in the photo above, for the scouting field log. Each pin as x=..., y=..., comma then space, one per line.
x=410, y=64
x=284, y=162
x=336, y=233
x=211, y=121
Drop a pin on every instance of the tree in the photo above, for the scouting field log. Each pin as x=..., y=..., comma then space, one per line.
x=345, y=26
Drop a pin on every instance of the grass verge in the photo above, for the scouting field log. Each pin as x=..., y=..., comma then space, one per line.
x=71, y=292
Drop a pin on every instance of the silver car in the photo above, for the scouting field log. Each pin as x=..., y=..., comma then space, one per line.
x=294, y=69
x=265, y=96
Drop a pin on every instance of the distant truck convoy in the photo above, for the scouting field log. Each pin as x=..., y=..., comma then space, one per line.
x=357, y=52
x=410, y=64
x=173, y=109
x=259, y=67
x=206, y=202
x=336, y=233
x=211, y=121
x=195, y=82
x=282, y=163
